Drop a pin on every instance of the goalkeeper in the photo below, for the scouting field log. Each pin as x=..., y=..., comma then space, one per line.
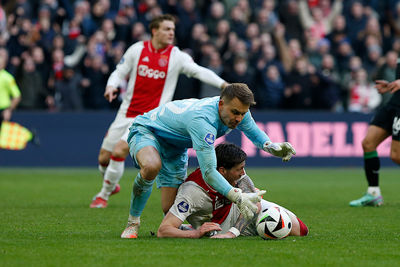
x=208, y=211
x=158, y=141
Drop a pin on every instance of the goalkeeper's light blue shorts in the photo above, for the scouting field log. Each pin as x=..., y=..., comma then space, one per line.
x=174, y=160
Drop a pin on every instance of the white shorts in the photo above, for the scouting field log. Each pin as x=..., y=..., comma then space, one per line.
x=118, y=130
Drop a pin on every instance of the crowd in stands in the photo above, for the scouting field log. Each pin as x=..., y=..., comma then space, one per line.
x=294, y=54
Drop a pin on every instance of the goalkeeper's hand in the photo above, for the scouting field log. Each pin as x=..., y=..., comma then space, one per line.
x=245, y=201
x=283, y=150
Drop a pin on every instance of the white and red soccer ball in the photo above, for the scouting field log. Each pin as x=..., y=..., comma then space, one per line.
x=273, y=223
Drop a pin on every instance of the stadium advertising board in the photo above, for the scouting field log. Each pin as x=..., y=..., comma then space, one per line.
x=321, y=139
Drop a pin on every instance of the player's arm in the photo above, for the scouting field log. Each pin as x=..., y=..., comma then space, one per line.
x=122, y=70
x=191, y=69
x=259, y=138
x=247, y=185
x=170, y=228
x=203, y=137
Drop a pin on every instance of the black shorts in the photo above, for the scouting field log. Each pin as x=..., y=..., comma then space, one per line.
x=388, y=118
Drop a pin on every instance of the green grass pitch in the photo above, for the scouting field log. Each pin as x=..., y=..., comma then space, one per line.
x=46, y=221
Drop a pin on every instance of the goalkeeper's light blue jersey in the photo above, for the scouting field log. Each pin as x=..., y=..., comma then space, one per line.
x=196, y=123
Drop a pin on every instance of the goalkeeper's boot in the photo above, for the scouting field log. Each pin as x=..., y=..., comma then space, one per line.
x=98, y=202
x=131, y=230
x=116, y=190
x=367, y=200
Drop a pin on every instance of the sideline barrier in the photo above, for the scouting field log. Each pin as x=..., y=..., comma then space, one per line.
x=321, y=139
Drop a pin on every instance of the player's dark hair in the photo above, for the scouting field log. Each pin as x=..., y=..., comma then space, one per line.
x=239, y=90
x=229, y=155
x=155, y=23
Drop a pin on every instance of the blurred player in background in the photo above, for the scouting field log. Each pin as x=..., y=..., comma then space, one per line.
x=153, y=68
x=386, y=122
x=10, y=95
x=207, y=210
x=159, y=139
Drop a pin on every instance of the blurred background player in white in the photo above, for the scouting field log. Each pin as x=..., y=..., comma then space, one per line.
x=386, y=122
x=153, y=68
x=158, y=142
x=209, y=211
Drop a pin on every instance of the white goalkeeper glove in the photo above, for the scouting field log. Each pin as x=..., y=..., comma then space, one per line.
x=282, y=150
x=245, y=201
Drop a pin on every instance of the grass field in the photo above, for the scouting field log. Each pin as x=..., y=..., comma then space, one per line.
x=46, y=221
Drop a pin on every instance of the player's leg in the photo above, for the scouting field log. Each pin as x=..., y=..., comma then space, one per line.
x=118, y=129
x=103, y=159
x=395, y=151
x=114, y=171
x=172, y=174
x=375, y=136
x=298, y=227
x=168, y=195
x=144, y=148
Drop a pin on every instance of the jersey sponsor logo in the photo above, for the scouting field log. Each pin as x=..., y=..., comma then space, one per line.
x=183, y=207
x=122, y=60
x=146, y=59
x=396, y=125
x=210, y=138
x=145, y=71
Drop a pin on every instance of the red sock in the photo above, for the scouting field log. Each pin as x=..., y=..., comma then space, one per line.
x=303, y=228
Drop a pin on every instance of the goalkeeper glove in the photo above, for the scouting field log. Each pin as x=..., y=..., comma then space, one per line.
x=282, y=150
x=245, y=201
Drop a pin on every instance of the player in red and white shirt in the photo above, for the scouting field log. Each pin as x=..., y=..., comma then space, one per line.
x=153, y=68
x=208, y=211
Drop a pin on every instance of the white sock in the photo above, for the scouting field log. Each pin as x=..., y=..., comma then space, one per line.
x=374, y=190
x=133, y=219
x=102, y=169
x=113, y=174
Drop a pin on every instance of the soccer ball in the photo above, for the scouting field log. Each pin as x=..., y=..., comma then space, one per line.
x=273, y=223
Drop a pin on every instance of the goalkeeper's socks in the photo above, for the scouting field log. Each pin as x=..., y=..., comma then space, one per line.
x=371, y=167
x=140, y=194
x=102, y=168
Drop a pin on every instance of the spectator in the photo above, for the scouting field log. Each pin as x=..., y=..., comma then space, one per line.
x=68, y=91
x=3, y=27
x=298, y=92
x=363, y=95
x=241, y=73
x=357, y=20
x=387, y=71
x=216, y=14
x=221, y=38
x=267, y=20
x=215, y=64
x=188, y=16
x=31, y=84
x=270, y=93
x=318, y=24
x=238, y=22
x=338, y=33
x=41, y=65
x=289, y=16
x=95, y=78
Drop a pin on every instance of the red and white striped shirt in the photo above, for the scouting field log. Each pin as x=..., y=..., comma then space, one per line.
x=153, y=75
